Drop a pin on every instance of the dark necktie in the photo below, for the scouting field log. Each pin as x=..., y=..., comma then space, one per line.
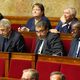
x=65, y=28
x=4, y=44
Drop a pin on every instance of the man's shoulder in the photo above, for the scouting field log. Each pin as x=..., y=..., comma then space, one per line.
x=31, y=19
x=16, y=33
x=52, y=35
x=74, y=20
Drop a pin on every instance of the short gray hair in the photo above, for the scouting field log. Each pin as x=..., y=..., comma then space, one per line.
x=58, y=73
x=72, y=11
x=5, y=23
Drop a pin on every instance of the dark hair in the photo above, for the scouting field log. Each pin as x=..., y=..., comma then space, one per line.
x=40, y=6
x=1, y=16
x=58, y=73
x=42, y=24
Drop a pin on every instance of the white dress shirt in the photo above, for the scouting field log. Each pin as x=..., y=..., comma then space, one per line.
x=78, y=48
x=40, y=48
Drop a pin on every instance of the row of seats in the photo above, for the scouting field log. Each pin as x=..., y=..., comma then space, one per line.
x=12, y=64
x=30, y=41
x=17, y=62
x=46, y=64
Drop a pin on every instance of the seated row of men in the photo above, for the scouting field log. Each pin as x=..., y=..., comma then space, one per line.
x=47, y=43
x=32, y=74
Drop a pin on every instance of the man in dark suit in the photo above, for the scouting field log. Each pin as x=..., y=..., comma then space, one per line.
x=47, y=43
x=66, y=21
x=75, y=45
x=10, y=41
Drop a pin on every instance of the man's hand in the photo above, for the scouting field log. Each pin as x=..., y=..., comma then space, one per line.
x=22, y=29
x=63, y=20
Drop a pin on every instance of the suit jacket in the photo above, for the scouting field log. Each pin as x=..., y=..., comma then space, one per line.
x=65, y=29
x=15, y=43
x=73, y=48
x=52, y=45
x=31, y=23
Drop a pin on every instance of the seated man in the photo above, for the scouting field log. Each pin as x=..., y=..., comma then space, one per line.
x=10, y=41
x=66, y=21
x=47, y=43
x=75, y=45
x=57, y=76
x=30, y=74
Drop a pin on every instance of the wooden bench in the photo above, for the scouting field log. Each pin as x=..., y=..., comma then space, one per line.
x=44, y=64
x=4, y=57
x=63, y=36
x=22, y=20
x=70, y=67
x=19, y=62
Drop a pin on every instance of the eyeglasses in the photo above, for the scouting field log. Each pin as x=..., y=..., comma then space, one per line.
x=41, y=31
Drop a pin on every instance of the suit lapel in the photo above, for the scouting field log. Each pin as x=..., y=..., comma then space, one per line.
x=1, y=44
x=9, y=44
x=37, y=46
x=75, y=45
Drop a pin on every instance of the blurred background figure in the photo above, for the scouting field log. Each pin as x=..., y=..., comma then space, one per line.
x=30, y=74
x=57, y=76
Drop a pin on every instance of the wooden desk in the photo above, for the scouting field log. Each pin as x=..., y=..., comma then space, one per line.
x=5, y=55
x=6, y=78
x=24, y=56
x=59, y=59
x=19, y=62
x=33, y=34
